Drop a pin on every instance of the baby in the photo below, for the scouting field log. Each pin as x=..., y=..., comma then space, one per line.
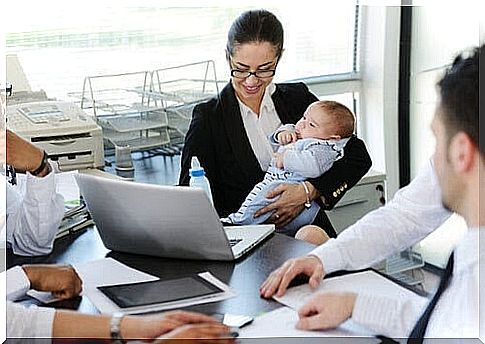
x=305, y=150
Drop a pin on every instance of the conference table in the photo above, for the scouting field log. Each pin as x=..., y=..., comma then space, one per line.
x=244, y=275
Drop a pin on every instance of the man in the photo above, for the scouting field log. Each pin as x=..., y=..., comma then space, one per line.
x=32, y=218
x=412, y=214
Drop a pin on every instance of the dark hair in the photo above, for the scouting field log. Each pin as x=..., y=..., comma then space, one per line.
x=460, y=96
x=255, y=26
x=343, y=118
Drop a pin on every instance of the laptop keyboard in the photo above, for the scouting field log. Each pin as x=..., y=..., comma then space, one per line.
x=233, y=242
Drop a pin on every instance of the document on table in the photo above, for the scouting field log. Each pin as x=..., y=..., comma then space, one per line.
x=108, y=271
x=282, y=322
x=361, y=282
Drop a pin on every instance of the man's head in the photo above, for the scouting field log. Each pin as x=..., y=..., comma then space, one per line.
x=326, y=120
x=458, y=154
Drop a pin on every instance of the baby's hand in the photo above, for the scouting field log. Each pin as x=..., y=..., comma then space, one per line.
x=286, y=136
x=279, y=160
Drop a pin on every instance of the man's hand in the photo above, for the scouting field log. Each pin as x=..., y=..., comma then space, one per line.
x=21, y=154
x=61, y=280
x=173, y=325
x=326, y=311
x=286, y=136
x=278, y=280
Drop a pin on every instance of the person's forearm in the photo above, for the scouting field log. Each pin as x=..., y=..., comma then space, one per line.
x=73, y=325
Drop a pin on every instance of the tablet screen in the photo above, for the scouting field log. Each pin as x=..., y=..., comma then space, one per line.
x=159, y=291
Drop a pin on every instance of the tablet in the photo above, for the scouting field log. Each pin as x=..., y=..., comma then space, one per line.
x=159, y=291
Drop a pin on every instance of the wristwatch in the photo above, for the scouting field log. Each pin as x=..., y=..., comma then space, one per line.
x=114, y=328
x=308, y=202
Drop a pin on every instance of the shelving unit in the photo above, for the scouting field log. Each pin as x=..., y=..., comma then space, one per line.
x=148, y=110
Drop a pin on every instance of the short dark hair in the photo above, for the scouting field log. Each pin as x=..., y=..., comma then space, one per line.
x=255, y=26
x=343, y=118
x=459, y=91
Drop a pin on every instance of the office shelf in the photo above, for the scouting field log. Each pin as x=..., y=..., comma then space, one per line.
x=149, y=109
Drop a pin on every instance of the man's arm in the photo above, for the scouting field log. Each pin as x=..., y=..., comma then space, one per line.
x=33, y=218
x=413, y=213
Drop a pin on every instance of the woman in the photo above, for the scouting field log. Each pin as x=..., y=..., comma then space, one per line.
x=229, y=133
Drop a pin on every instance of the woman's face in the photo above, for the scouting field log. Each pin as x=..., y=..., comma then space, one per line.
x=252, y=57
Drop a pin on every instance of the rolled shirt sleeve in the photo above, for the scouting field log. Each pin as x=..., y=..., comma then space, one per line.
x=33, y=218
x=22, y=322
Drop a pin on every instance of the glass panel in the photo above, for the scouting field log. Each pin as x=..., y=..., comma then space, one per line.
x=58, y=43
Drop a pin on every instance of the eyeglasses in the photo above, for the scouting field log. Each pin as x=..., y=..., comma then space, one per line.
x=243, y=74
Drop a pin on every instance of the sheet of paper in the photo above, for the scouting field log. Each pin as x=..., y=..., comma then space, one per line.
x=361, y=282
x=108, y=271
x=282, y=321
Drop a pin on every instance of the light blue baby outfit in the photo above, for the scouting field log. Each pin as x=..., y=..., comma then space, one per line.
x=303, y=159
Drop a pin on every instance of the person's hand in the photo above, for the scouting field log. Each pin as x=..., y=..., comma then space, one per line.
x=279, y=279
x=198, y=333
x=286, y=136
x=21, y=154
x=326, y=311
x=279, y=160
x=290, y=203
x=176, y=324
x=61, y=280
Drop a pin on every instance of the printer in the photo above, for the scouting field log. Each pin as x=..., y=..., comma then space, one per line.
x=71, y=138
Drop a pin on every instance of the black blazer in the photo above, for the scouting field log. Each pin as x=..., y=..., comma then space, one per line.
x=218, y=138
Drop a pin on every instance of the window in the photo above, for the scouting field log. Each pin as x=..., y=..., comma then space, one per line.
x=59, y=43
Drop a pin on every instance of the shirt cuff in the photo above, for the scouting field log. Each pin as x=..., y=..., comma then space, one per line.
x=17, y=283
x=44, y=322
x=329, y=255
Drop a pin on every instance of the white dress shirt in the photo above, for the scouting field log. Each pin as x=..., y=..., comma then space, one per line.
x=259, y=128
x=456, y=314
x=34, y=217
x=414, y=212
x=22, y=322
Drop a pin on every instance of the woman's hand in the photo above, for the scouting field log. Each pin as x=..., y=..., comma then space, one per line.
x=291, y=202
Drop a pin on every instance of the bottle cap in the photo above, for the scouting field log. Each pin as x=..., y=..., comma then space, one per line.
x=196, y=170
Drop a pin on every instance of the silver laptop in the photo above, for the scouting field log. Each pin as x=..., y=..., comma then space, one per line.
x=164, y=221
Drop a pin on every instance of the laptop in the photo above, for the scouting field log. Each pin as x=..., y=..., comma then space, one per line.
x=164, y=221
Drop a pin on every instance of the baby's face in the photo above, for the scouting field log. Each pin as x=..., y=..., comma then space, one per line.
x=316, y=124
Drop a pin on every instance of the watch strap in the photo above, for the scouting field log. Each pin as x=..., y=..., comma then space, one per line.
x=114, y=329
